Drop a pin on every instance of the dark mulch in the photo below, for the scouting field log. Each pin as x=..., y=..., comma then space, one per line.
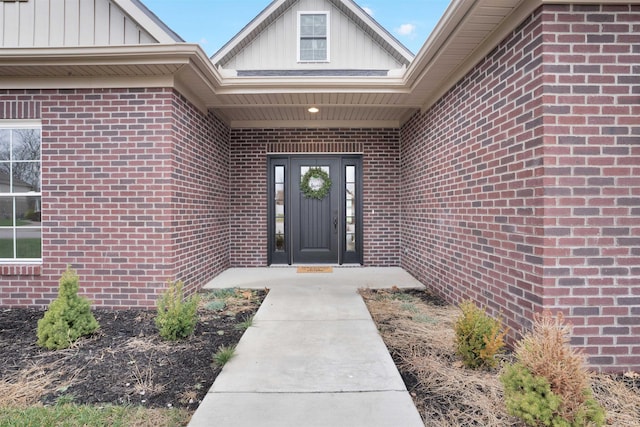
x=427, y=297
x=125, y=361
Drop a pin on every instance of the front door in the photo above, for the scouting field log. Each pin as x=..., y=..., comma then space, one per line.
x=314, y=220
x=314, y=210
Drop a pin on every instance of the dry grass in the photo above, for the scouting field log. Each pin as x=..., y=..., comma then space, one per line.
x=446, y=393
x=620, y=400
x=26, y=387
x=145, y=383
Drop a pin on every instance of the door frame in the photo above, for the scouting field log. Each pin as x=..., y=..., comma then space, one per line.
x=285, y=257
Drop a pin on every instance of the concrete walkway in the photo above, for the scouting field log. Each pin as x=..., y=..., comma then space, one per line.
x=313, y=356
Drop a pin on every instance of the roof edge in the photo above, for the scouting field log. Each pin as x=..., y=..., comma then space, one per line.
x=149, y=21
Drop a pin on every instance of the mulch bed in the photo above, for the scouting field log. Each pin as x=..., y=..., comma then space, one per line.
x=125, y=361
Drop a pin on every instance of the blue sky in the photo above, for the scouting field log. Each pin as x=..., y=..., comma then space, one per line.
x=214, y=22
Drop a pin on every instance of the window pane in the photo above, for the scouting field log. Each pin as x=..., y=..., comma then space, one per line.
x=26, y=177
x=6, y=243
x=26, y=144
x=350, y=208
x=279, y=174
x=6, y=212
x=28, y=211
x=320, y=26
x=351, y=174
x=5, y=144
x=5, y=177
x=28, y=243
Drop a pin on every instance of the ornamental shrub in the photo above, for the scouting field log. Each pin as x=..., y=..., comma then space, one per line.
x=68, y=317
x=479, y=338
x=176, y=317
x=548, y=385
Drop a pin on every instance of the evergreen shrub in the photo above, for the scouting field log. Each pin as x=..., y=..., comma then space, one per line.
x=479, y=337
x=548, y=385
x=68, y=317
x=176, y=316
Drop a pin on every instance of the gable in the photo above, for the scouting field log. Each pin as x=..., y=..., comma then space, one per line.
x=65, y=23
x=353, y=43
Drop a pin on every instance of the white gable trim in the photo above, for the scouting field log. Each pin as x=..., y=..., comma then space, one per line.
x=250, y=28
x=349, y=7
x=369, y=21
x=147, y=20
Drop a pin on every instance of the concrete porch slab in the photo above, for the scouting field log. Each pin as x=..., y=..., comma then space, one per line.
x=354, y=277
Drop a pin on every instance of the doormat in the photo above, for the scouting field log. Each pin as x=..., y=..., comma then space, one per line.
x=315, y=269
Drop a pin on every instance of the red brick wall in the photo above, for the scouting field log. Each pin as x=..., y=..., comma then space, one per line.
x=592, y=177
x=472, y=188
x=200, y=199
x=380, y=148
x=113, y=163
x=520, y=186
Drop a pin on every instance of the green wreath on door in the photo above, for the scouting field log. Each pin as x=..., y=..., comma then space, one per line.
x=315, y=184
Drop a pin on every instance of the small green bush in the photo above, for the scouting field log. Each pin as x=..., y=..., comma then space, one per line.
x=176, y=317
x=479, y=338
x=69, y=316
x=548, y=385
x=529, y=397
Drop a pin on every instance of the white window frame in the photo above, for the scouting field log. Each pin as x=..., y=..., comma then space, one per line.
x=23, y=124
x=328, y=36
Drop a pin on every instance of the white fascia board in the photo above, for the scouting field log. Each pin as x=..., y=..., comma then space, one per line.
x=177, y=53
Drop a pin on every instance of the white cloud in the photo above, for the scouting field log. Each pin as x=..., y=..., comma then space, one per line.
x=203, y=41
x=368, y=10
x=406, y=30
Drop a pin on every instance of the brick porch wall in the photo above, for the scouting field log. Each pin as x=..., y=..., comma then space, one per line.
x=108, y=161
x=380, y=148
x=520, y=186
x=200, y=199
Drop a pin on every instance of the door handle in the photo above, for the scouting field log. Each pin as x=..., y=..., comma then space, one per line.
x=335, y=223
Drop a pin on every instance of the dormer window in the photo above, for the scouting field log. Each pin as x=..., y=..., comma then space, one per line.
x=313, y=36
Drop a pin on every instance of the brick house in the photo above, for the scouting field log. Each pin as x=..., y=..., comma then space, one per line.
x=501, y=163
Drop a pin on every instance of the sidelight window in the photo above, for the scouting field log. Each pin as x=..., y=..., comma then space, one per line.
x=350, y=208
x=279, y=203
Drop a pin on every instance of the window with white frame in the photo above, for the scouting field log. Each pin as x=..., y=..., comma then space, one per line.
x=313, y=36
x=20, y=191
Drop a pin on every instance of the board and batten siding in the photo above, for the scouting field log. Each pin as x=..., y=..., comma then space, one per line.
x=53, y=23
x=276, y=47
